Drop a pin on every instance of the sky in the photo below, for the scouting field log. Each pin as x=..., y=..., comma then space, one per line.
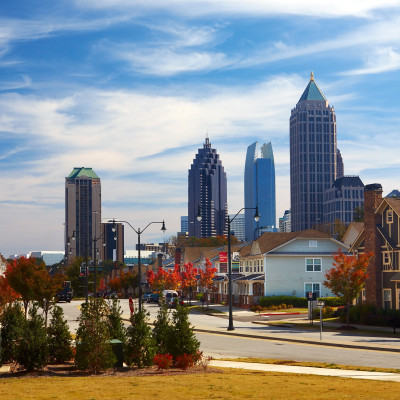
x=131, y=88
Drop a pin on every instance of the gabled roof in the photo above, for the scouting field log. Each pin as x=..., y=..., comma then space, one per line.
x=80, y=172
x=312, y=91
x=271, y=240
x=394, y=203
x=352, y=233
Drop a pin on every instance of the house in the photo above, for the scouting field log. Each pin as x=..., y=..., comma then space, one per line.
x=287, y=263
x=380, y=234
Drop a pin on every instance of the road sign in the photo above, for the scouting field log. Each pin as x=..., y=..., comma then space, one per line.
x=320, y=304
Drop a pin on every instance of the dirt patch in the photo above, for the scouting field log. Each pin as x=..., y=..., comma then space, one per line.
x=69, y=370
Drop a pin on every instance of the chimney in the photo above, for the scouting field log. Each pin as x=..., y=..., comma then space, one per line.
x=178, y=255
x=159, y=259
x=373, y=286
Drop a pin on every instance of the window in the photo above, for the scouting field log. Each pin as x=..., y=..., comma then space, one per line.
x=313, y=264
x=387, y=298
x=312, y=287
x=389, y=216
x=312, y=243
x=386, y=258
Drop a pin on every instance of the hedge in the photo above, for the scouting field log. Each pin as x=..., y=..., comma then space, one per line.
x=301, y=302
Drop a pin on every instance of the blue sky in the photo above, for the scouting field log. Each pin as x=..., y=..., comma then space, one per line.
x=131, y=88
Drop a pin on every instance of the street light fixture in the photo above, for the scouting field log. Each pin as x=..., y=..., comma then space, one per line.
x=229, y=220
x=138, y=232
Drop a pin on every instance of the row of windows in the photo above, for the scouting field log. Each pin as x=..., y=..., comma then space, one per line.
x=311, y=264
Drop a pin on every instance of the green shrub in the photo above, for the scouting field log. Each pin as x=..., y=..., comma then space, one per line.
x=33, y=349
x=12, y=321
x=59, y=338
x=182, y=331
x=115, y=323
x=162, y=331
x=93, y=348
x=370, y=315
x=327, y=312
x=332, y=301
x=141, y=346
x=268, y=301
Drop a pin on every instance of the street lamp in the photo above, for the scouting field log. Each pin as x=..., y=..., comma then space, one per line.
x=229, y=220
x=138, y=232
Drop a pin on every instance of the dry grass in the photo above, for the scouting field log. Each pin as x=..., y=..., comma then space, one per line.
x=228, y=384
x=312, y=364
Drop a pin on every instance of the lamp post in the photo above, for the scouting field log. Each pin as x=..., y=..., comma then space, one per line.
x=229, y=220
x=139, y=232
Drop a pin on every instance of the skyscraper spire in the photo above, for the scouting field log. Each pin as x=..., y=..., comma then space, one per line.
x=312, y=76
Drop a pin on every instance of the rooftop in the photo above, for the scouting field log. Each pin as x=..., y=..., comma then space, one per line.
x=312, y=91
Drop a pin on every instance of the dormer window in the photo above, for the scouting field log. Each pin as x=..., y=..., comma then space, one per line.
x=389, y=216
x=312, y=243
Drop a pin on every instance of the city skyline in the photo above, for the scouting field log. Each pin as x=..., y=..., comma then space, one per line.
x=130, y=89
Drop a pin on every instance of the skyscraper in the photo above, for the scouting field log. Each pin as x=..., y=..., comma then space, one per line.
x=207, y=193
x=83, y=214
x=313, y=156
x=259, y=189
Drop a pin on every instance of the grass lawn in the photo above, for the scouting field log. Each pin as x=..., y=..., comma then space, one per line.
x=228, y=384
x=206, y=310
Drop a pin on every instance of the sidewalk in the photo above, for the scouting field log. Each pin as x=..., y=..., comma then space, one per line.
x=380, y=376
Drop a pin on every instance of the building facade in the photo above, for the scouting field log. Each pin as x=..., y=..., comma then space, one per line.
x=207, y=189
x=238, y=227
x=259, y=189
x=313, y=156
x=113, y=241
x=184, y=224
x=284, y=222
x=83, y=214
x=346, y=194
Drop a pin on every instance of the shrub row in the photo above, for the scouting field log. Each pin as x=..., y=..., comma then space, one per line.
x=370, y=315
x=300, y=302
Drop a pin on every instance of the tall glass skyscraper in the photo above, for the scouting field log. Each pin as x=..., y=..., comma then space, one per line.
x=313, y=156
x=207, y=192
x=259, y=189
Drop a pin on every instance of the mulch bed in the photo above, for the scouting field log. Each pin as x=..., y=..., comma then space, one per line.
x=69, y=370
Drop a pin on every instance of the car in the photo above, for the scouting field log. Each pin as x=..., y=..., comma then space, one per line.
x=153, y=298
x=146, y=296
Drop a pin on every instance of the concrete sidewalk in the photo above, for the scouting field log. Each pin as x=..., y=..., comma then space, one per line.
x=339, y=373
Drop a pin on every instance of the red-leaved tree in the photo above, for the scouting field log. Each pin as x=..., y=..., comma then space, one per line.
x=188, y=278
x=206, y=277
x=347, y=277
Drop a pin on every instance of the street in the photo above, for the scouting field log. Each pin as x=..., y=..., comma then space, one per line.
x=222, y=344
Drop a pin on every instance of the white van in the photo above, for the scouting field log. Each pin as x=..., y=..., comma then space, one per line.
x=168, y=296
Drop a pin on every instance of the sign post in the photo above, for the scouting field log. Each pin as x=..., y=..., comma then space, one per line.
x=311, y=297
x=320, y=304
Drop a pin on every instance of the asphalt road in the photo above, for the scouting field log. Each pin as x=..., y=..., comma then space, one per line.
x=220, y=345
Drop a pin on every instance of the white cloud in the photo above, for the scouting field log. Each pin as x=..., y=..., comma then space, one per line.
x=193, y=8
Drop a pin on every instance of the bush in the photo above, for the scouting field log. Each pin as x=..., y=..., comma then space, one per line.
x=184, y=361
x=93, y=348
x=116, y=325
x=33, y=349
x=141, y=346
x=59, y=338
x=327, y=312
x=162, y=331
x=268, y=301
x=332, y=301
x=185, y=341
x=12, y=321
x=370, y=315
x=163, y=361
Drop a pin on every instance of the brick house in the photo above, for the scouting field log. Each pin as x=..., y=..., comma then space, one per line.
x=380, y=235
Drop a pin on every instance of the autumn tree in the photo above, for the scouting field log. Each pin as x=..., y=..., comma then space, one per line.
x=188, y=278
x=7, y=294
x=22, y=276
x=158, y=281
x=206, y=276
x=173, y=278
x=347, y=277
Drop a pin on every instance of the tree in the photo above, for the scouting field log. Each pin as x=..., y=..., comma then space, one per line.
x=184, y=339
x=93, y=348
x=157, y=281
x=206, y=277
x=12, y=324
x=73, y=274
x=141, y=346
x=347, y=277
x=173, y=279
x=162, y=332
x=7, y=294
x=59, y=338
x=46, y=289
x=188, y=278
x=115, y=323
x=33, y=347
x=22, y=275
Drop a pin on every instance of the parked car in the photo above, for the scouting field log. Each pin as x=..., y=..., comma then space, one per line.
x=153, y=298
x=146, y=296
x=169, y=296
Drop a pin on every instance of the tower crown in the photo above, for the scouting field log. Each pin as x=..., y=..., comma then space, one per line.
x=312, y=91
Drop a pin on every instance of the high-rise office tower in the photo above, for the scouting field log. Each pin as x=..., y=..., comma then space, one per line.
x=113, y=241
x=339, y=165
x=259, y=189
x=313, y=156
x=83, y=234
x=207, y=194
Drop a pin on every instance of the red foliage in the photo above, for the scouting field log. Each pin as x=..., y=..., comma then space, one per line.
x=206, y=276
x=163, y=361
x=184, y=361
x=7, y=294
x=189, y=277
